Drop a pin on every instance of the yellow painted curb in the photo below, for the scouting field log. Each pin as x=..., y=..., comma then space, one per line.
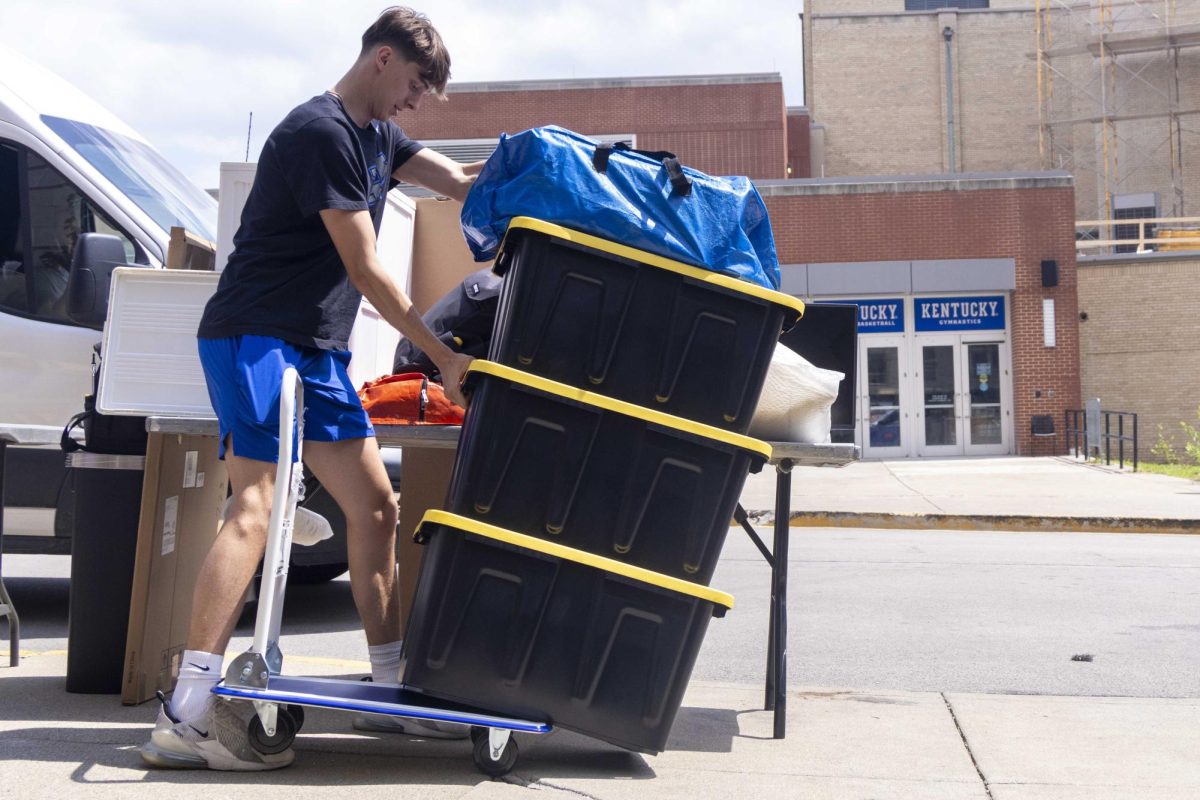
x=981, y=522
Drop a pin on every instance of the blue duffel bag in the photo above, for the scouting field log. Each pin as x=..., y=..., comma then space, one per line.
x=644, y=200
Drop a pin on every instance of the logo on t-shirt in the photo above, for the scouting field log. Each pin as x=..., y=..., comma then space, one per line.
x=378, y=175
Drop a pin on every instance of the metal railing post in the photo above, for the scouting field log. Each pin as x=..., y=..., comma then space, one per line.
x=1135, y=443
x=1121, y=439
x=1107, y=441
x=1076, y=422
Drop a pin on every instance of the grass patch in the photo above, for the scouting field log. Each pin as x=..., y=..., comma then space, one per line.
x=1189, y=471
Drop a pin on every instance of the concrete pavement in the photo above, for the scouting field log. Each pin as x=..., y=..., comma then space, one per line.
x=1000, y=493
x=840, y=743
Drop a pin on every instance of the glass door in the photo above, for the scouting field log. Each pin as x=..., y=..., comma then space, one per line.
x=985, y=377
x=884, y=432
x=939, y=421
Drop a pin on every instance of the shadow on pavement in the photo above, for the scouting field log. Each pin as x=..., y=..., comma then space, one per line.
x=704, y=730
x=109, y=756
x=334, y=757
x=96, y=731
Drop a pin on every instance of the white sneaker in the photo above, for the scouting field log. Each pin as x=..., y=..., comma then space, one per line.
x=162, y=728
x=216, y=739
x=422, y=728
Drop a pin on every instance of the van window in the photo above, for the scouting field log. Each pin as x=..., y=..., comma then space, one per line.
x=144, y=176
x=41, y=217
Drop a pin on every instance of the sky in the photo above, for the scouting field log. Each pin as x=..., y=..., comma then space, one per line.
x=187, y=75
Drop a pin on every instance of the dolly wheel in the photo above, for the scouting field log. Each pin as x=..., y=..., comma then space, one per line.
x=483, y=757
x=478, y=732
x=285, y=733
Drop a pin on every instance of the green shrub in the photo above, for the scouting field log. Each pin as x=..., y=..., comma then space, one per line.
x=1191, y=439
x=1163, y=450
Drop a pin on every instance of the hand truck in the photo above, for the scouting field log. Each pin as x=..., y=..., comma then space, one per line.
x=279, y=701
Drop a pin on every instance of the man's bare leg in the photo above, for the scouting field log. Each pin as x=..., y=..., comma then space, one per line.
x=201, y=733
x=222, y=581
x=230, y=565
x=352, y=472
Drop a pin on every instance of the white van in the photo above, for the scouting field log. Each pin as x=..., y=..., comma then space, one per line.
x=68, y=167
x=70, y=170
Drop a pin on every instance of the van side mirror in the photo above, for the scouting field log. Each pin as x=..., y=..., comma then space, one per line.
x=96, y=256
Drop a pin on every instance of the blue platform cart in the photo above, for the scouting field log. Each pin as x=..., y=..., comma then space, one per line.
x=280, y=700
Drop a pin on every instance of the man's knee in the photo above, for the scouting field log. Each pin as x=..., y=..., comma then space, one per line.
x=380, y=513
x=389, y=511
x=248, y=520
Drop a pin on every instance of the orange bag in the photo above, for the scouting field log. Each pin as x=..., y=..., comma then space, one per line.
x=408, y=399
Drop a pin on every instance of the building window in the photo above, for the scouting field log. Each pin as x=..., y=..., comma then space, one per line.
x=1132, y=230
x=934, y=5
x=1144, y=205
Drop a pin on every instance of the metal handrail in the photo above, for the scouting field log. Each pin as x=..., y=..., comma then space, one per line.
x=1077, y=435
x=1142, y=240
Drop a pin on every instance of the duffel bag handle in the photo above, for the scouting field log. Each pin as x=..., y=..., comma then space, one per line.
x=681, y=184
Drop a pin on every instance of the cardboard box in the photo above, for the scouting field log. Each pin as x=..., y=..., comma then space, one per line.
x=186, y=250
x=184, y=489
x=441, y=259
x=424, y=481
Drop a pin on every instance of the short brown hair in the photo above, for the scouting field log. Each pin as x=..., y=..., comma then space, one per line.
x=418, y=41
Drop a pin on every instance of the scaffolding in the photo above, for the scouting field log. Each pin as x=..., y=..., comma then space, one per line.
x=1117, y=85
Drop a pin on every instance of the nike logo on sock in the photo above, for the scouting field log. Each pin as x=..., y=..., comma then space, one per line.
x=203, y=734
x=197, y=666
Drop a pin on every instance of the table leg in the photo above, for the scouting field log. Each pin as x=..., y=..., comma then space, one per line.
x=6, y=605
x=779, y=576
x=769, y=698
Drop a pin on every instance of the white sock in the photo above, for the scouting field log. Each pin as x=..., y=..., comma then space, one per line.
x=199, y=672
x=385, y=661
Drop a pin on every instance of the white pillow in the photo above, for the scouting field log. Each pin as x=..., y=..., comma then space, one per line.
x=796, y=401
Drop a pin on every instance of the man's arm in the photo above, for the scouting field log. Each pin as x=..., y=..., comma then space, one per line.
x=354, y=237
x=438, y=173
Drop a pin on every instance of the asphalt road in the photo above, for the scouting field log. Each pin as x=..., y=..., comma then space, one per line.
x=873, y=610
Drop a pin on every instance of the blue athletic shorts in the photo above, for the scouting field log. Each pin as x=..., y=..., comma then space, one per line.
x=244, y=375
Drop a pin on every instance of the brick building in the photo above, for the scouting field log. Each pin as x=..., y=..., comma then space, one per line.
x=961, y=344
x=720, y=124
x=1137, y=338
x=973, y=346
x=1101, y=89
x=876, y=77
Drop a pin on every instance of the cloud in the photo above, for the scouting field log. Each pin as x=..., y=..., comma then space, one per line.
x=187, y=75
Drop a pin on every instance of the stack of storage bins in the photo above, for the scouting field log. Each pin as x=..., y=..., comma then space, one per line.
x=599, y=465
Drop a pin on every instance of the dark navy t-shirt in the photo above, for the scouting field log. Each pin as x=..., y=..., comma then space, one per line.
x=284, y=277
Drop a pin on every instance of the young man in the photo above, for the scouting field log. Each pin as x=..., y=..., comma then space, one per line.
x=303, y=257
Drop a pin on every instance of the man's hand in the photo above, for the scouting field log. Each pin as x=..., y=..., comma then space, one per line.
x=454, y=369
